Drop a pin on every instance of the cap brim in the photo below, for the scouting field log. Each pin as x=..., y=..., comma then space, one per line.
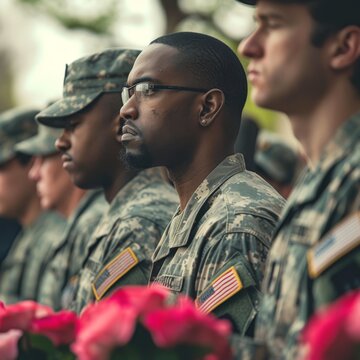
x=6, y=155
x=35, y=146
x=56, y=114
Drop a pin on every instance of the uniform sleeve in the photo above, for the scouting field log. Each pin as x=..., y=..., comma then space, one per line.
x=335, y=261
x=229, y=280
x=127, y=260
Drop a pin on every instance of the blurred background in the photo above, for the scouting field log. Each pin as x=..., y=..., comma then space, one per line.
x=38, y=37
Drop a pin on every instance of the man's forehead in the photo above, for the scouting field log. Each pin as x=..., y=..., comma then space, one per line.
x=155, y=61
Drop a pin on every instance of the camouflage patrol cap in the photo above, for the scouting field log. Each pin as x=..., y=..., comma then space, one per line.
x=42, y=144
x=275, y=158
x=15, y=125
x=86, y=79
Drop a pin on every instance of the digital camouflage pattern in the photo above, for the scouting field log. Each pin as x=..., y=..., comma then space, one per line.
x=42, y=144
x=15, y=126
x=86, y=79
x=226, y=228
x=325, y=198
x=65, y=259
x=21, y=266
x=134, y=223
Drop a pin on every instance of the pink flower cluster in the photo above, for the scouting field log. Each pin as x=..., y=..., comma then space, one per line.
x=112, y=323
x=33, y=318
x=334, y=332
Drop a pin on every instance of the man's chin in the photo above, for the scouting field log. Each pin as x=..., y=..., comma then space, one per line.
x=137, y=161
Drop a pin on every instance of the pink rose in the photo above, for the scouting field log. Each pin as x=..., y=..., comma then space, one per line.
x=185, y=324
x=9, y=344
x=20, y=315
x=331, y=333
x=58, y=327
x=143, y=299
x=103, y=327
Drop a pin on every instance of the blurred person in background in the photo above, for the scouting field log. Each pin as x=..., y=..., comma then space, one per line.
x=48, y=272
x=277, y=161
x=245, y=142
x=19, y=201
x=305, y=62
x=9, y=228
x=141, y=202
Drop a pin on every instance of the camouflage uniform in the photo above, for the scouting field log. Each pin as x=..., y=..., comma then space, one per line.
x=315, y=256
x=214, y=251
x=128, y=233
x=62, y=260
x=67, y=256
x=21, y=267
x=17, y=125
x=120, y=251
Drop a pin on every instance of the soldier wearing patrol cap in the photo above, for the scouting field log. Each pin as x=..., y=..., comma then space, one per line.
x=305, y=61
x=141, y=203
x=49, y=271
x=19, y=200
x=182, y=109
x=277, y=161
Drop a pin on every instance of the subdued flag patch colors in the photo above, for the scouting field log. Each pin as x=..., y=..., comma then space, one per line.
x=338, y=242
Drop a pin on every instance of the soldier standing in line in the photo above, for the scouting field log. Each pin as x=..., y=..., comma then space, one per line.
x=19, y=200
x=48, y=273
x=305, y=62
x=182, y=110
x=141, y=203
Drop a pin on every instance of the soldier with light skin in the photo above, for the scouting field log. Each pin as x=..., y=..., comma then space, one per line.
x=53, y=184
x=182, y=110
x=119, y=251
x=19, y=200
x=305, y=61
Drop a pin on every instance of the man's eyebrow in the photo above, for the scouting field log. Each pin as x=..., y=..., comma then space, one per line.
x=141, y=80
x=268, y=16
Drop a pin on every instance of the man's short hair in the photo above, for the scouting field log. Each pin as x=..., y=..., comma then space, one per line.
x=212, y=64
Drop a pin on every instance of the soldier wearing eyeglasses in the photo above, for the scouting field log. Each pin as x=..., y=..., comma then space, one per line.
x=141, y=202
x=182, y=109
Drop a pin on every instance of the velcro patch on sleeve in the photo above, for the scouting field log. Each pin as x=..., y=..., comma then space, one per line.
x=220, y=290
x=113, y=271
x=334, y=245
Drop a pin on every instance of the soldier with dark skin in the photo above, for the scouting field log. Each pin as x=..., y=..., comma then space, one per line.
x=141, y=202
x=50, y=272
x=305, y=61
x=182, y=110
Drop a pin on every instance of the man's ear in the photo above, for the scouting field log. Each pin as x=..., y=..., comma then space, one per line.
x=346, y=48
x=212, y=103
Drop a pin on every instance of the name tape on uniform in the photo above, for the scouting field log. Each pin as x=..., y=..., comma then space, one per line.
x=113, y=271
x=221, y=289
x=334, y=245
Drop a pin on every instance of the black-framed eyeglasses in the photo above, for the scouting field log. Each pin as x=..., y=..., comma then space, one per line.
x=145, y=89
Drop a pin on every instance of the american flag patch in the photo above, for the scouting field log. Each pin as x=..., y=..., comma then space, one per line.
x=334, y=245
x=113, y=271
x=221, y=289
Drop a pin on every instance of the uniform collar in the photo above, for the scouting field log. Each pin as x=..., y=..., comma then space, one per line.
x=182, y=226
